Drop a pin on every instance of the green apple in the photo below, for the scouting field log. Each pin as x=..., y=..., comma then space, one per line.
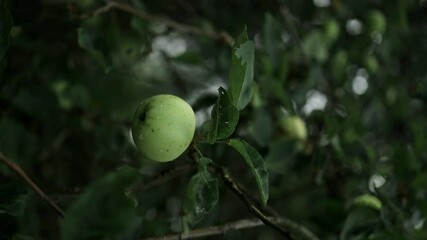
x=367, y=200
x=163, y=127
x=294, y=127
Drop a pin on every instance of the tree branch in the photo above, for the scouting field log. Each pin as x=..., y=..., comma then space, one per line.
x=230, y=183
x=276, y=222
x=18, y=170
x=216, y=230
x=222, y=35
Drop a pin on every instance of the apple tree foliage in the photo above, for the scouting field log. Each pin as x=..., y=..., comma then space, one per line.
x=353, y=74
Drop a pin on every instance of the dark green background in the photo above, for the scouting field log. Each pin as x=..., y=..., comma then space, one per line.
x=68, y=88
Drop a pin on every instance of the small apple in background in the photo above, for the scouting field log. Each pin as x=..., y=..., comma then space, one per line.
x=367, y=200
x=294, y=127
x=163, y=127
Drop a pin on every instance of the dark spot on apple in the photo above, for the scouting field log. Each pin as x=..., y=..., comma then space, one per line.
x=144, y=112
x=142, y=116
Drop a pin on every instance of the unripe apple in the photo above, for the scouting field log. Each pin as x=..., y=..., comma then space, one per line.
x=163, y=127
x=294, y=127
x=367, y=200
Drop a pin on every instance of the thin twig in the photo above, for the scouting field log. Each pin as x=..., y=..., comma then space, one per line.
x=223, y=35
x=230, y=183
x=215, y=230
x=274, y=222
x=300, y=231
x=18, y=170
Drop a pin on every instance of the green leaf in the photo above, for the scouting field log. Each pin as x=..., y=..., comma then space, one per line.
x=224, y=117
x=362, y=220
x=242, y=71
x=6, y=24
x=13, y=198
x=202, y=195
x=256, y=163
x=90, y=40
x=104, y=210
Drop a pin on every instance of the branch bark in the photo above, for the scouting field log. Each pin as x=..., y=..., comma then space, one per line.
x=230, y=183
x=18, y=170
x=284, y=226
x=215, y=230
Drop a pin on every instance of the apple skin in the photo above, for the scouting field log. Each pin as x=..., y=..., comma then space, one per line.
x=163, y=127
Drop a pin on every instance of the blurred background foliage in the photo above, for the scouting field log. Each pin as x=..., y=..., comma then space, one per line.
x=353, y=71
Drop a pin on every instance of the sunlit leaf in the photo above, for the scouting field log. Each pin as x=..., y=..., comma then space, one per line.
x=242, y=71
x=224, y=117
x=256, y=164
